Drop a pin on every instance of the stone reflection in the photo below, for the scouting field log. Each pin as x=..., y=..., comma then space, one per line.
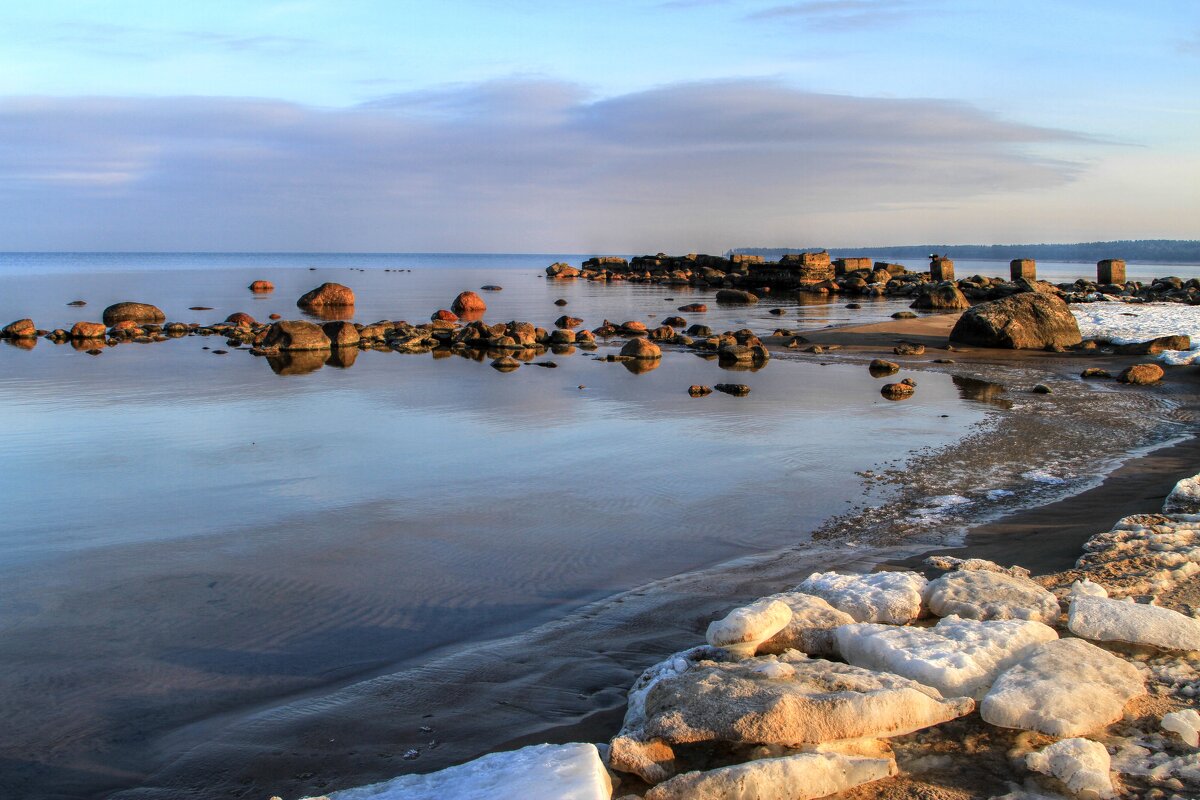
x=981, y=391
x=330, y=313
x=297, y=362
x=85, y=345
x=640, y=366
x=342, y=357
x=24, y=343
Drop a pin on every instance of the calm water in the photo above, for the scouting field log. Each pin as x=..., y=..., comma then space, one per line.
x=188, y=534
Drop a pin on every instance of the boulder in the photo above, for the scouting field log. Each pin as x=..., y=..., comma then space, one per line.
x=1141, y=374
x=1155, y=346
x=696, y=390
x=341, y=334
x=890, y=597
x=327, y=294
x=632, y=326
x=1027, y=321
x=88, y=330
x=879, y=367
x=641, y=348
x=261, y=287
x=798, y=777
x=468, y=303
x=567, y=321
x=1102, y=619
x=561, y=270
x=241, y=318
x=1083, y=766
x=1065, y=687
x=897, y=391
x=19, y=329
x=1095, y=372
x=790, y=700
x=984, y=594
x=943, y=297
x=1184, y=498
x=810, y=628
x=505, y=364
x=733, y=297
x=694, y=308
x=909, y=349
x=133, y=312
x=743, y=629
x=443, y=315
x=735, y=389
x=296, y=335
x=537, y=772
x=958, y=657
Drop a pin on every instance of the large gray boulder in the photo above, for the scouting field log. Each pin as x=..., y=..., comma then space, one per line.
x=943, y=297
x=1027, y=321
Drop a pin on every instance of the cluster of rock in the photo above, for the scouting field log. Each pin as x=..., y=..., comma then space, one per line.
x=824, y=687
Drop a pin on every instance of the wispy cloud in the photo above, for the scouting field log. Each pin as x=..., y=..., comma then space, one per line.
x=845, y=14
x=516, y=165
x=148, y=42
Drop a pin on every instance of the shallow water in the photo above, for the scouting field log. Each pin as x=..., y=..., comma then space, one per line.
x=189, y=535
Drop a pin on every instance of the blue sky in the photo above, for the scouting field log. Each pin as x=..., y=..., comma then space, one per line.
x=681, y=125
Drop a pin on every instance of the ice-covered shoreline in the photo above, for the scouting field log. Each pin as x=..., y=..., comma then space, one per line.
x=1122, y=323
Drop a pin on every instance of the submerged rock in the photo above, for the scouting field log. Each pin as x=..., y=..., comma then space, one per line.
x=797, y=777
x=984, y=594
x=1185, y=723
x=890, y=597
x=1102, y=619
x=1027, y=321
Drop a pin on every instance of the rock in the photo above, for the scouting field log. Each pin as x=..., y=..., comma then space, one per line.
x=1083, y=766
x=1103, y=619
x=537, y=772
x=897, y=391
x=891, y=597
x=1042, y=388
x=1155, y=346
x=641, y=348
x=779, y=312
x=810, y=629
x=958, y=657
x=743, y=629
x=566, y=321
x=632, y=326
x=1184, y=498
x=275, y=316
x=261, y=287
x=562, y=336
x=77, y=303
x=133, y=312
x=695, y=308
x=289, y=335
x=980, y=594
x=1064, y=688
x=491, y=287
x=1141, y=374
x=341, y=334
x=505, y=364
x=675, y=322
x=241, y=318
x=560, y=302
x=734, y=297
x=1095, y=372
x=790, y=700
x=879, y=367
x=327, y=294
x=947, y=563
x=797, y=777
x=735, y=389
x=1027, y=321
x=1186, y=723
x=443, y=315
x=943, y=297
x=468, y=303
x=562, y=270
x=88, y=330
x=699, y=391
x=904, y=315
x=909, y=349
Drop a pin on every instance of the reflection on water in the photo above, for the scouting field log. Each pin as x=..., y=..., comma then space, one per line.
x=981, y=391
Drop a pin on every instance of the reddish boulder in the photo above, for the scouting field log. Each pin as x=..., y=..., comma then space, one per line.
x=468, y=303
x=1141, y=374
x=21, y=329
x=296, y=335
x=88, y=330
x=241, y=318
x=341, y=334
x=443, y=315
x=133, y=312
x=261, y=287
x=327, y=294
x=641, y=348
x=694, y=308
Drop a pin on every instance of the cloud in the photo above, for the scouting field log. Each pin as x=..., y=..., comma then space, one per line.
x=845, y=14
x=130, y=41
x=519, y=165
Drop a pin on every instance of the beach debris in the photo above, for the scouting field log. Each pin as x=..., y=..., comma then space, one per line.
x=537, y=772
x=1141, y=374
x=1106, y=620
x=790, y=700
x=890, y=597
x=735, y=389
x=810, y=629
x=1065, y=687
x=261, y=287
x=743, y=629
x=327, y=294
x=1027, y=321
x=468, y=303
x=1186, y=723
x=958, y=657
x=1083, y=766
x=796, y=777
x=987, y=594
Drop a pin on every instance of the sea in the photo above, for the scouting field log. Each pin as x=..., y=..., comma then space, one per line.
x=220, y=580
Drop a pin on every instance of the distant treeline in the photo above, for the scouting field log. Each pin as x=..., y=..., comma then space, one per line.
x=1156, y=251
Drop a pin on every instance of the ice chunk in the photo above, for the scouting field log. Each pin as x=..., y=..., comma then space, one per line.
x=743, y=629
x=810, y=629
x=1065, y=687
x=1082, y=765
x=1144, y=553
x=981, y=594
x=891, y=597
x=1041, y=476
x=1086, y=588
x=798, y=777
x=1185, y=723
x=1105, y=620
x=948, y=563
x=1184, y=498
x=956, y=656
x=822, y=701
x=539, y=772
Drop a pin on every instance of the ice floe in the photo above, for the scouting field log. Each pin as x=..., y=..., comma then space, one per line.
x=798, y=777
x=1105, y=620
x=743, y=629
x=984, y=594
x=810, y=630
x=1082, y=765
x=1123, y=323
x=890, y=597
x=1184, y=498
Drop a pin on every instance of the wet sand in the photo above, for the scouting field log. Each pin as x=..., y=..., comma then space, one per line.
x=566, y=680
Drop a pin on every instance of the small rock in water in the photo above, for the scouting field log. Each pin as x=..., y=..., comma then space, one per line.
x=1042, y=388
x=491, y=288
x=904, y=315
x=1095, y=372
x=220, y=352
x=505, y=364
x=1141, y=374
x=909, y=349
x=77, y=303
x=777, y=311
x=854, y=305
x=879, y=367
x=897, y=391
x=199, y=308
x=695, y=390
x=735, y=389
x=560, y=302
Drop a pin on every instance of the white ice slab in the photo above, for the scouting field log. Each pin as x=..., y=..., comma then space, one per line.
x=743, y=629
x=1185, y=723
x=799, y=777
x=890, y=597
x=1104, y=620
x=983, y=594
x=1128, y=323
x=1084, y=766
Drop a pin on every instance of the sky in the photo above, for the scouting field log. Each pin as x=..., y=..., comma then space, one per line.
x=617, y=126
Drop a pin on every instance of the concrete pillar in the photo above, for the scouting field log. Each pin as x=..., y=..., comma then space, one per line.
x=1023, y=268
x=1110, y=270
x=941, y=269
